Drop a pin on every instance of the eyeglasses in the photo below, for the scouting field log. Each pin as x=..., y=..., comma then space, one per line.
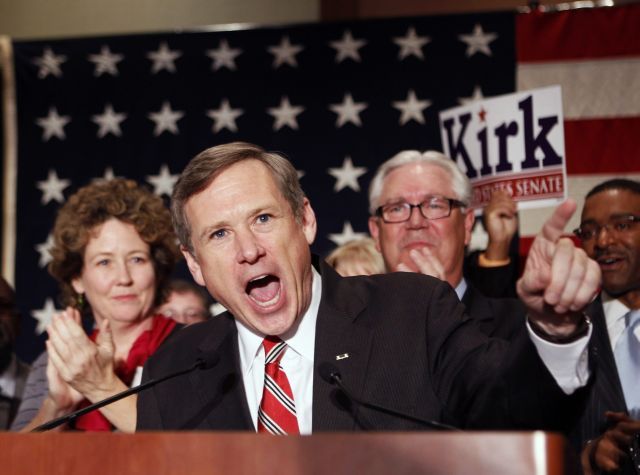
x=433, y=207
x=617, y=225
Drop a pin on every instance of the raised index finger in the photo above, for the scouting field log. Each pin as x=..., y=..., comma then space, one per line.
x=553, y=228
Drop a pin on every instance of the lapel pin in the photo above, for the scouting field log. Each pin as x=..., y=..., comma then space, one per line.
x=343, y=356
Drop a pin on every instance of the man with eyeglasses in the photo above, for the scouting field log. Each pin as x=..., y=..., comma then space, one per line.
x=421, y=222
x=610, y=234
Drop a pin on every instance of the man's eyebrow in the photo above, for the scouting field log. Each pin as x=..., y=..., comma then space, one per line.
x=210, y=228
x=587, y=221
x=257, y=210
x=400, y=199
x=395, y=199
x=623, y=215
x=611, y=216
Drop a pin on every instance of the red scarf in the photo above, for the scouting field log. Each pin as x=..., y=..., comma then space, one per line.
x=144, y=346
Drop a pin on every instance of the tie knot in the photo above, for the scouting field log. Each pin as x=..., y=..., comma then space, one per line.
x=273, y=349
x=633, y=318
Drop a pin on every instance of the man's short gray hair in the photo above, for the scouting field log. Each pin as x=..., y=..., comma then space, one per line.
x=207, y=165
x=459, y=181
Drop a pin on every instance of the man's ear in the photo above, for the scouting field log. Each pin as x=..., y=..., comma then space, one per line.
x=469, y=219
x=309, y=223
x=374, y=230
x=193, y=265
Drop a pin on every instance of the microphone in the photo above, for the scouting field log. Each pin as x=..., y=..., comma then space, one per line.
x=206, y=361
x=331, y=374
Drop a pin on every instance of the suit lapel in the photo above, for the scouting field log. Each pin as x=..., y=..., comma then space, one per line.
x=608, y=382
x=220, y=390
x=344, y=344
x=473, y=301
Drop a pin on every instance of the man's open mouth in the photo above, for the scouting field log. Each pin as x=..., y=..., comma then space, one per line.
x=607, y=259
x=264, y=290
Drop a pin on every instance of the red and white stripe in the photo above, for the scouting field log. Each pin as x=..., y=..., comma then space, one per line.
x=594, y=55
x=277, y=412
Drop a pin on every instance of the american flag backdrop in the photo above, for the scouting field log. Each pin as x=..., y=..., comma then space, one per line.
x=594, y=55
x=337, y=99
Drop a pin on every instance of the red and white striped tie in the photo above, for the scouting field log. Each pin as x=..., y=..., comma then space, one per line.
x=277, y=413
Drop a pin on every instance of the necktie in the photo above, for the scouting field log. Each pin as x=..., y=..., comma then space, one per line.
x=627, y=355
x=277, y=413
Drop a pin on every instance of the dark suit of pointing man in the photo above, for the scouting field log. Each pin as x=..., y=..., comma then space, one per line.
x=401, y=341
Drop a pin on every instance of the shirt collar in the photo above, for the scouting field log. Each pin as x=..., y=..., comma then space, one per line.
x=614, y=309
x=301, y=339
x=461, y=288
x=8, y=378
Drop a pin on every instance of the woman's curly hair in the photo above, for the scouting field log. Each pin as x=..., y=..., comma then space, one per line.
x=93, y=205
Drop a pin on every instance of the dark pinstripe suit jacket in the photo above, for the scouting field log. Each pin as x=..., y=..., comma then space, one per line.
x=607, y=392
x=411, y=348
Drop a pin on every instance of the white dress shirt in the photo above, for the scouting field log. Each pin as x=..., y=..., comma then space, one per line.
x=568, y=363
x=8, y=378
x=297, y=361
x=614, y=313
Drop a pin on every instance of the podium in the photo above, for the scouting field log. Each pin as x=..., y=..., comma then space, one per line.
x=159, y=453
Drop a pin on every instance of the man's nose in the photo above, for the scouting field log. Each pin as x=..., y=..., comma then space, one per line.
x=416, y=220
x=604, y=237
x=248, y=247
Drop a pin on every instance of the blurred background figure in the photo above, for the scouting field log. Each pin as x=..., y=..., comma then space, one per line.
x=358, y=257
x=13, y=372
x=114, y=249
x=186, y=302
x=495, y=270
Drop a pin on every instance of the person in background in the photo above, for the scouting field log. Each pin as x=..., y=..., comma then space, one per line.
x=617, y=450
x=114, y=248
x=186, y=302
x=13, y=372
x=610, y=234
x=421, y=221
x=494, y=271
x=357, y=257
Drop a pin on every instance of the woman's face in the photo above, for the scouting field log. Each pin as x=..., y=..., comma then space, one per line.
x=118, y=279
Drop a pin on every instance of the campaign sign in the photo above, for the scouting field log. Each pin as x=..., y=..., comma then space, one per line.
x=513, y=142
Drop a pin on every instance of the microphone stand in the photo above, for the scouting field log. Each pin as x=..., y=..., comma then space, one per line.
x=52, y=424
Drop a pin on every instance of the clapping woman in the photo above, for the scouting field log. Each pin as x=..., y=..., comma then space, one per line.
x=114, y=249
